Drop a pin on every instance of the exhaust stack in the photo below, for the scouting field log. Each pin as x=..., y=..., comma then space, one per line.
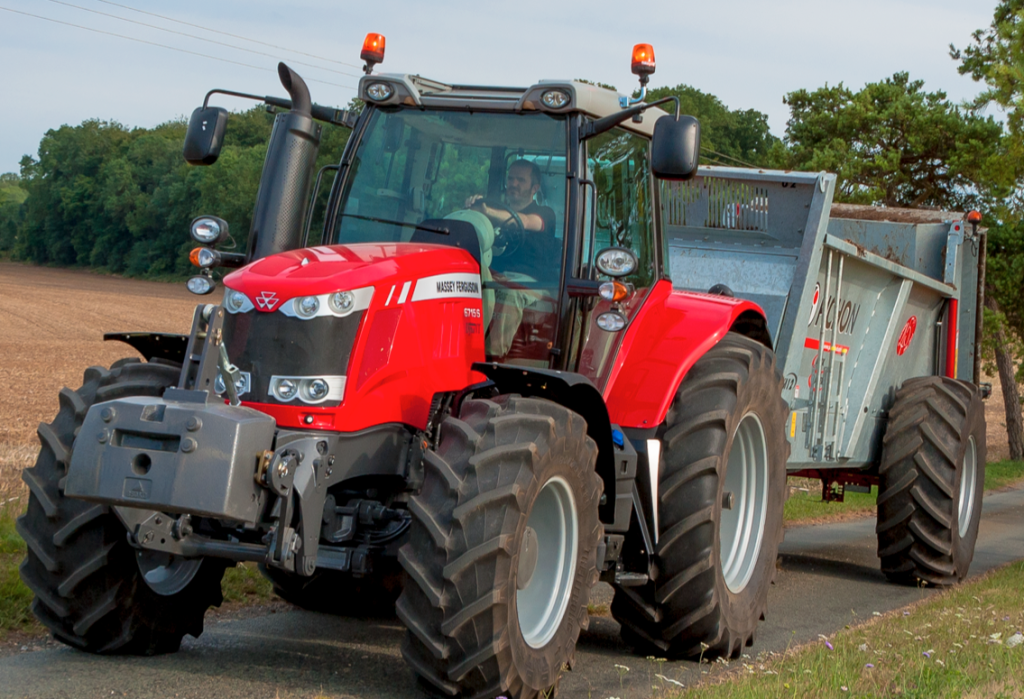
x=278, y=221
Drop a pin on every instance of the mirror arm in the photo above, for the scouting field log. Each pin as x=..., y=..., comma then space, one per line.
x=340, y=117
x=600, y=126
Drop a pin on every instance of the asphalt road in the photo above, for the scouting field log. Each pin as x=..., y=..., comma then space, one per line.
x=828, y=577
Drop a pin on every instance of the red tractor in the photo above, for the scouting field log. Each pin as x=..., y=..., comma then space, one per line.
x=478, y=394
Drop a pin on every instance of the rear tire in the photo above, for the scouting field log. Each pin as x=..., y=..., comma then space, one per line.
x=932, y=477
x=88, y=585
x=510, y=473
x=714, y=566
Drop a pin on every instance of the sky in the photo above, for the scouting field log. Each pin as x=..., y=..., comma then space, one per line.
x=749, y=53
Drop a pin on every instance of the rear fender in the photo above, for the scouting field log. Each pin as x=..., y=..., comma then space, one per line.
x=669, y=334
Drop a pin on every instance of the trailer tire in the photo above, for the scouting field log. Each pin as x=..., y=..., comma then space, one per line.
x=710, y=585
x=931, y=480
x=334, y=592
x=89, y=589
x=509, y=473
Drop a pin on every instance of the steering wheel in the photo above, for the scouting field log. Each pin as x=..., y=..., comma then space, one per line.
x=510, y=234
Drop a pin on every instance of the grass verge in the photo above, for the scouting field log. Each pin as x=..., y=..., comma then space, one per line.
x=965, y=642
x=806, y=506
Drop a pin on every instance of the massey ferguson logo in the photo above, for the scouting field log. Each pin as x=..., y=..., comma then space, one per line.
x=267, y=300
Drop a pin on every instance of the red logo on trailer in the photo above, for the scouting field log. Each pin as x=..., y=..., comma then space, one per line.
x=814, y=302
x=906, y=336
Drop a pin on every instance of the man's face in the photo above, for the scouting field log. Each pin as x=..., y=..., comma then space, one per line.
x=520, y=187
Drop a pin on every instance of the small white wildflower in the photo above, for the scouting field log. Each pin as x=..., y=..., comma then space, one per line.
x=863, y=647
x=622, y=667
x=1015, y=640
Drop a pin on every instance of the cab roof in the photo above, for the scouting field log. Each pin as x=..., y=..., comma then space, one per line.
x=417, y=91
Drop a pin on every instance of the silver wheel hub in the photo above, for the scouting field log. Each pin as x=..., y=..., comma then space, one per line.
x=744, y=503
x=165, y=573
x=550, y=568
x=968, y=487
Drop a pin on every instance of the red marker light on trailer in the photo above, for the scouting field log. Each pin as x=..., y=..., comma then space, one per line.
x=373, y=51
x=643, y=59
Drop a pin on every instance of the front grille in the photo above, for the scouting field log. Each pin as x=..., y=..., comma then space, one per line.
x=272, y=344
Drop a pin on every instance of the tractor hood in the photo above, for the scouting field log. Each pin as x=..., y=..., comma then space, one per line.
x=326, y=269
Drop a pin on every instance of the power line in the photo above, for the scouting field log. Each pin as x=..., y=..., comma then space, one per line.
x=192, y=36
x=164, y=46
x=234, y=36
x=728, y=157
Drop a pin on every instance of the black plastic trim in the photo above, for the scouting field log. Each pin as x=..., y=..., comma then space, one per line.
x=168, y=346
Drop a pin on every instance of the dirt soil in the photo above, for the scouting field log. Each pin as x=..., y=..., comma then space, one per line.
x=53, y=322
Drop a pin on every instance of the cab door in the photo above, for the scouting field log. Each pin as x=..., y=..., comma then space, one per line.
x=618, y=210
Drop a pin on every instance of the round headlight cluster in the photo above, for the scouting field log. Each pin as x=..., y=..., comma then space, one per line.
x=379, y=92
x=234, y=300
x=555, y=99
x=616, y=262
x=313, y=389
x=307, y=306
x=208, y=230
x=341, y=302
x=612, y=321
x=285, y=389
x=205, y=257
x=200, y=285
x=317, y=389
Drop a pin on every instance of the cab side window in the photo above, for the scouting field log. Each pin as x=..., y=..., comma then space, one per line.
x=617, y=163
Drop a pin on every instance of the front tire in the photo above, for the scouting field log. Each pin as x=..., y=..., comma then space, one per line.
x=92, y=590
x=502, y=550
x=724, y=434
x=932, y=476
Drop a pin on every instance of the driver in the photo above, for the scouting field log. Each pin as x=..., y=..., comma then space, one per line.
x=521, y=185
x=533, y=260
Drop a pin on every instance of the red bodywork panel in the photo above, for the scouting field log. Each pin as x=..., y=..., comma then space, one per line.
x=416, y=338
x=670, y=332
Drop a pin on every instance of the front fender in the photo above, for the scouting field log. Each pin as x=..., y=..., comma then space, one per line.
x=671, y=331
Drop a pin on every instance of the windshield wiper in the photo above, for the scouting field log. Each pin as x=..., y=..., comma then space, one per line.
x=420, y=226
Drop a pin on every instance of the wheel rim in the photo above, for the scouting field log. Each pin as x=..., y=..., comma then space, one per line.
x=968, y=486
x=542, y=603
x=741, y=528
x=166, y=574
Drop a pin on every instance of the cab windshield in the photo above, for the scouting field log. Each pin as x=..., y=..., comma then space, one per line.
x=505, y=174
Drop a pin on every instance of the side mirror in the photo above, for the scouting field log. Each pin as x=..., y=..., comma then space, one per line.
x=675, y=148
x=205, y=135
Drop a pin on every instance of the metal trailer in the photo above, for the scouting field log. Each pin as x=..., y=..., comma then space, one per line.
x=858, y=300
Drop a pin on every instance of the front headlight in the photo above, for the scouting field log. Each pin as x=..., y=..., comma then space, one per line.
x=342, y=302
x=307, y=306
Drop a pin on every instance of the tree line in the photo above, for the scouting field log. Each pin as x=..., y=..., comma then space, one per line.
x=119, y=199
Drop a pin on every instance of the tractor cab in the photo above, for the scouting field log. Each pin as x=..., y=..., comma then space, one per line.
x=516, y=171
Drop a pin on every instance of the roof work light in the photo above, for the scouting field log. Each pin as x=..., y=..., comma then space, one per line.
x=373, y=51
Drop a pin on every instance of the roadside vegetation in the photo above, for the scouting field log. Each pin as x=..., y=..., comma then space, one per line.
x=965, y=642
x=806, y=506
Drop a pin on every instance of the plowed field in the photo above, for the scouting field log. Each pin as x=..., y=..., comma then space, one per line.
x=51, y=328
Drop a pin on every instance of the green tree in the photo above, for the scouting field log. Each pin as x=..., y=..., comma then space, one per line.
x=12, y=196
x=995, y=57
x=727, y=136
x=892, y=143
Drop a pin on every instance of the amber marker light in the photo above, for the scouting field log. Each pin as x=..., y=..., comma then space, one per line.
x=974, y=217
x=614, y=291
x=193, y=256
x=373, y=48
x=643, y=59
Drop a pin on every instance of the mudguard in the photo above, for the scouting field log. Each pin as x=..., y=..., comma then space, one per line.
x=670, y=332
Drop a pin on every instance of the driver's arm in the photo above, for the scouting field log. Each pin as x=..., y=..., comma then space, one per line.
x=498, y=216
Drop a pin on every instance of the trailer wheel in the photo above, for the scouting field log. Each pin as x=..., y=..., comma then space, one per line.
x=721, y=494
x=932, y=476
x=334, y=592
x=92, y=589
x=502, y=550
